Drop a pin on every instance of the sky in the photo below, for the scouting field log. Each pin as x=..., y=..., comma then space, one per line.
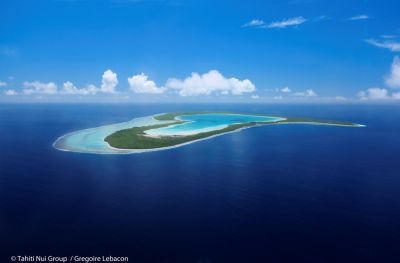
x=279, y=51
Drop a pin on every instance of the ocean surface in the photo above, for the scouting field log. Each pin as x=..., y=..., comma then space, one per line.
x=280, y=193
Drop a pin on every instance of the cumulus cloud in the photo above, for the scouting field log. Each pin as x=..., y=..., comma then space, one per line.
x=212, y=82
x=10, y=92
x=307, y=93
x=396, y=96
x=71, y=89
x=37, y=87
x=393, y=46
x=208, y=83
x=286, y=90
x=377, y=93
x=254, y=23
x=278, y=97
x=374, y=94
x=255, y=97
x=141, y=84
x=3, y=84
x=287, y=22
x=108, y=82
x=393, y=80
x=359, y=17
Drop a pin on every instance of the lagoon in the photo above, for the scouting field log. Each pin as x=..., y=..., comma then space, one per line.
x=198, y=123
x=168, y=130
x=92, y=140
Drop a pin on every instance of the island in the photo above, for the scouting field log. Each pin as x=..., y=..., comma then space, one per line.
x=169, y=130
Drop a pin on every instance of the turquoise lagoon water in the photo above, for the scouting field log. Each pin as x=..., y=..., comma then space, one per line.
x=198, y=123
x=92, y=140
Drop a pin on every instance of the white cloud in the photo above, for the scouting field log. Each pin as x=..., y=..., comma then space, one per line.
x=108, y=82
x=10, y=92
x=255, y=97
x=283, y=23
x=37, y=87
x=311, y=93
x=321, y=18
x=208, y=83
x=307, y=93
x=361, y=94
x=374, y=94
x=278, y=97
x=254, y=23
x=340, y=98
x=396, y=96
x=393, y=80
x=388, y=44
x=286, y=90
x=3, y=84
x=359, y=17
x=71, y=89
x=287, y=22
x=141, y=84
x=92, y=89
x=237, y=87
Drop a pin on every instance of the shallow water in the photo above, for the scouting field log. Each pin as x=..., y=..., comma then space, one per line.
x=197, y=123
x=92, y=140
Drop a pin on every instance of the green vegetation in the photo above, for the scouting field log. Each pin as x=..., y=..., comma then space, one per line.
x=168, y=116
x=135, y=138
x=310, y=120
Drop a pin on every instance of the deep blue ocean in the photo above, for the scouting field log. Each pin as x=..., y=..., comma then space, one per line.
x=280, y=193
